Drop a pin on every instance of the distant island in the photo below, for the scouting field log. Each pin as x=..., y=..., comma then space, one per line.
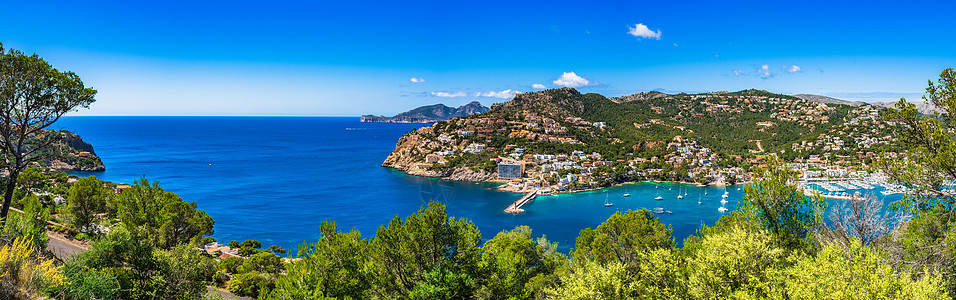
x=430, y=114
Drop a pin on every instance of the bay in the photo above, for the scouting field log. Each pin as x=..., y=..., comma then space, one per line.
x=275, y=179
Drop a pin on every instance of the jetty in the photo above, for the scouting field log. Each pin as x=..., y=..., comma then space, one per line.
x=515, y=207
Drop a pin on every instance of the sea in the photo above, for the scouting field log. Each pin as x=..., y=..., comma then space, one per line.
x=276, y=179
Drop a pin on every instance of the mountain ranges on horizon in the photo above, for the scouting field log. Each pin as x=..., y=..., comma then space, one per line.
x=441, y=112
x=430, y=114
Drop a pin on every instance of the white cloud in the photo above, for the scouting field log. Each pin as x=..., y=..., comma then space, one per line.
x=538, y=86
x=569, y=79
x=449, y=94
x=792, y=69
x=417, y=80
x=506, y=94
x=738, y=72
x=640, y=30
x=764, y=71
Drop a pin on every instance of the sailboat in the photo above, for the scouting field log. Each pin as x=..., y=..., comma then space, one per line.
x=722, y=209
x=723, y=201
x=658, y=196
x=607, y=204
x=626, y=194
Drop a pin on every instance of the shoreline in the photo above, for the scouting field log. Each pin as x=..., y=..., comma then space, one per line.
x=503, y=186
x=623, y=184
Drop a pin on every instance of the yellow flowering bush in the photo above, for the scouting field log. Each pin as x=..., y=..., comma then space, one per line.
x=23, y=271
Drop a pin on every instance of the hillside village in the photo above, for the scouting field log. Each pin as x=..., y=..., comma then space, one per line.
x=556, y=141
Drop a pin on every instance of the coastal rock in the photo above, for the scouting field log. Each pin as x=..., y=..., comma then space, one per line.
x=409, y=154
x=71, y=153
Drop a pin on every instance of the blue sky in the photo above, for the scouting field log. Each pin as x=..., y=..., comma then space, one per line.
x=349, y=57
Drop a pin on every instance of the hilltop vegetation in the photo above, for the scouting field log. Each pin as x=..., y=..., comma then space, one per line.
x=684, y=137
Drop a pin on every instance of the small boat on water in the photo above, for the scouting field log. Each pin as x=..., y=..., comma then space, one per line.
x=626, y=194
x=659, y=198
x=723, y=201
x=607, y=204
x=722, y=209
x=658, y=210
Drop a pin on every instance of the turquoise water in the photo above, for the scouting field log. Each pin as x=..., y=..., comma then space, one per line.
x=275, y=179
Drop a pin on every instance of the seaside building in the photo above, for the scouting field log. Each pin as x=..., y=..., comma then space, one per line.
x=510, y=171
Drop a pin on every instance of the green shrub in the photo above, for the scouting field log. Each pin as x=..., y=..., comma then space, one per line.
x=249, y=284
x=230, y=264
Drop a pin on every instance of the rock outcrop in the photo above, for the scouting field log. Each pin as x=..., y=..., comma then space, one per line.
x=71, y=153
x=409, y=154
x=638, y=97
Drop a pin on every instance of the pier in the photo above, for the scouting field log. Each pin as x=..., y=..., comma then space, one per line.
x=515, y=207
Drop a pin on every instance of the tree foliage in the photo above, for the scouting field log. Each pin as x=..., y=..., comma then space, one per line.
x=336, y=266
x=86, y=198
x=149, y=212
x=774, y=202
x=33, y=96
x=515, y=266
x=623, y=238
x=141, y=270
x=444, y=262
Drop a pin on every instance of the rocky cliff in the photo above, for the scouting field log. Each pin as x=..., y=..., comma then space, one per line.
x=71, y=153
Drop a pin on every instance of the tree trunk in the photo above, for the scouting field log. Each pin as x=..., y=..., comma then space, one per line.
x=7, y=197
